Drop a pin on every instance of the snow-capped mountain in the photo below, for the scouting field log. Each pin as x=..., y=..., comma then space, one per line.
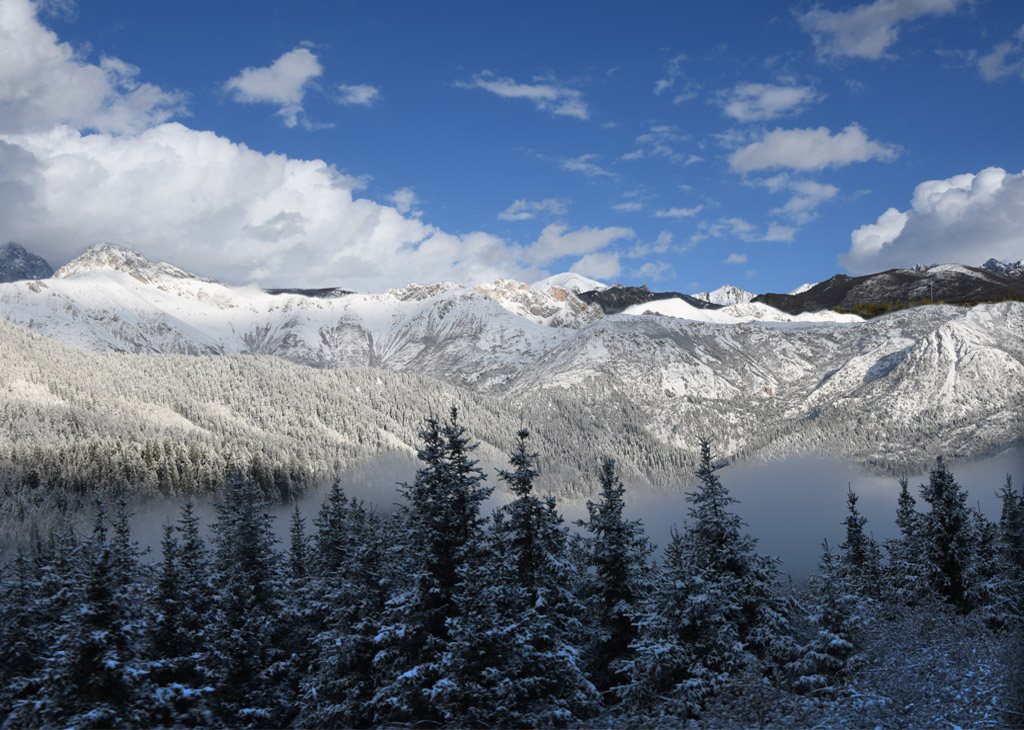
x=726, y=295
x=17, y=264
x=936, y=379
x=570, y=282
x=1010, y=268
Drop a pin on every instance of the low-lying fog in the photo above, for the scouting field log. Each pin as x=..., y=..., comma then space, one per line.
x=790, y=505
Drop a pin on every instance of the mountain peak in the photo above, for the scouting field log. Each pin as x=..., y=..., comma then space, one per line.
x=112, y=257
x=16, y=264
x=1010, y=268
x=726, y=295
x=570, y=282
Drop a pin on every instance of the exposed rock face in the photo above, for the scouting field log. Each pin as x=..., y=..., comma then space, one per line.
x=618, y=298
x=17, y=264
x=947, y=283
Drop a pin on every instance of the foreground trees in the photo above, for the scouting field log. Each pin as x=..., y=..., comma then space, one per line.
x=444, y=615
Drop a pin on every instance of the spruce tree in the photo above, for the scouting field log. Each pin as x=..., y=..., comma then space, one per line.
x=617, y=552
x=714, y=611
x=246, y=601
x=947, y=537
x=509, y=660
x=445, y=537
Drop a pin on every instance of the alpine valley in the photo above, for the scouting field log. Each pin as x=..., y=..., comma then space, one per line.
x=166, y=379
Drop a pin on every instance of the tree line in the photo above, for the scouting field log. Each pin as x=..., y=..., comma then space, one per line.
x=441, y=615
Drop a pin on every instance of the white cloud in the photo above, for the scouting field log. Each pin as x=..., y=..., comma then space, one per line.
x=808, y=195
x=206, y=203
x=779, y=233
x=736, y=258
x=598, y=266
x=810, y=149
x=679, y=212
x=524, y=210
x=283, y=83
x=758, y=102
x=673, y=74
x=868, y=30
x=357, y=94
x=659, y=142
x=405, y=202
x=546, y=94
x=660, y=245
x=44, y=82
x=653, y=271
x=586, y=165
x=963, y=219
x=1006, y=59
x=556, y=241
x=629, y=206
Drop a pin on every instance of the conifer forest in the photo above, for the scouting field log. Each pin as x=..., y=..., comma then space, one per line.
x=440, y=614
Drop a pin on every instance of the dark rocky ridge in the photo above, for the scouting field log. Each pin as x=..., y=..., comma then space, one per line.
x=331, y=292
x=17, y=264
x=616, y=298
x=950, y=283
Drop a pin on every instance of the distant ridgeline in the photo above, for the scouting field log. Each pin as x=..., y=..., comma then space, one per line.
x=876, y=294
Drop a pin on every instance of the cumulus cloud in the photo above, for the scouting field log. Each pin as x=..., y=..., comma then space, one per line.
x=869, y=30
x=357, y=94
x=810, y=149
x=736, y=258
x=598, y=266
x=963, y=219
x=283, y=83
x=758, y=102
x=545, y=93
x=43, y=82
x=556, y=241
x=405, y=202
x=1006, y=59
x=678, y=212
x=86, y=156
x=524, y=210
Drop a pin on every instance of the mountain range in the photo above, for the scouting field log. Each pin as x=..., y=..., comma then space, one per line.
x=891, y=392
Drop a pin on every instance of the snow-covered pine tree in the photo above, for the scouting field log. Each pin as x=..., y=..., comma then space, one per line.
x=445, y=534
x=905, y=571
x=617, y=553
x=861, y=557
x=246, y=601
x=95, y=677
x=836, y=618
x=947, y=537
x=509, y=662
x=714, y=611
x=351, y=578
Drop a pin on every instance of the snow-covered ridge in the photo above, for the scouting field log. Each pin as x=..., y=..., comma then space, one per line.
x=570, y=282
x=109, y=256
x=736, y=313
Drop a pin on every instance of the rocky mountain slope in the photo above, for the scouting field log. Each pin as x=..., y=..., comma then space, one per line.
x=889, y=392
x=945, y=283
x=17, y=264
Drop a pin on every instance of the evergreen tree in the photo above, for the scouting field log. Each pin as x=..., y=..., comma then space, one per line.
x=836, y=618
x=907, y=578
x=617, y=552
x=445, y=535
x=713, y=613
x=96, y=677
x=861, y=557
x=245, y=577
x=509, y=662
x=947, y=537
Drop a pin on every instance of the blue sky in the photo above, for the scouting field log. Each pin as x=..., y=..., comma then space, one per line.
x=366, y=145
